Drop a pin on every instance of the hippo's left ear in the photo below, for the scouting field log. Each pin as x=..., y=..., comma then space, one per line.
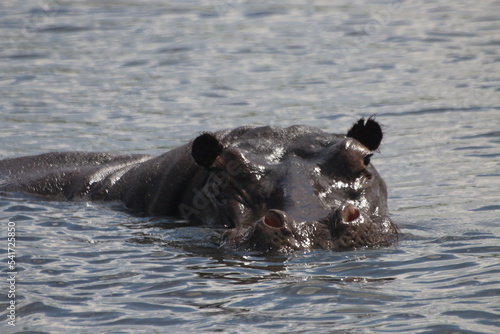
x=205, y=149
x=368, y=134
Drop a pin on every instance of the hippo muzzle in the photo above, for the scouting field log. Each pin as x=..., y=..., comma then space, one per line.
x=345, y=228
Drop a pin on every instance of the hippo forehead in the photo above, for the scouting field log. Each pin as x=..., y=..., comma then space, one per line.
x=273, y=145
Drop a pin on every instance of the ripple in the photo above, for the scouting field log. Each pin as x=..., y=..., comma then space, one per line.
x=492, y=318
x=488, y=207
x=63, y=29
x=264, y=13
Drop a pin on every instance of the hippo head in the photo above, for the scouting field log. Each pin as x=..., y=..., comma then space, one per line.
x=296, y=188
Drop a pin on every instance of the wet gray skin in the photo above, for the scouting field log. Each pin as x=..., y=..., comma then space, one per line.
x=273, y=189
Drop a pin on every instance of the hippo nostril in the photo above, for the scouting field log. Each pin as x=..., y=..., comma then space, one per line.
x=274, y=218
x=350, y=213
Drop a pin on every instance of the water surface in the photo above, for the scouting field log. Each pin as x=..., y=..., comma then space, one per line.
x=147, y=76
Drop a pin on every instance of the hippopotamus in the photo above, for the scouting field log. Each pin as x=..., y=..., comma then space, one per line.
x=272, y=189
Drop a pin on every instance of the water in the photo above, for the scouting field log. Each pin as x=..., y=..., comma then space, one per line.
x=147, y=76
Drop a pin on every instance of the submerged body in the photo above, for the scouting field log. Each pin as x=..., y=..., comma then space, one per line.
x=274, y=189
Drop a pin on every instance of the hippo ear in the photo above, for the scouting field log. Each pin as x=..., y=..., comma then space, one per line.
x=368, y=134
x=205, y=149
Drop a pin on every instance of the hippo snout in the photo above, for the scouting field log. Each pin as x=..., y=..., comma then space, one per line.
x=345, y=228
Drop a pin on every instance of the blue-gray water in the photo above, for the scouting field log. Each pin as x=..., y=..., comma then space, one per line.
x=146, y=76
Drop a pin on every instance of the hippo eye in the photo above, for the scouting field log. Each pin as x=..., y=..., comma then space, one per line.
x=367, y=159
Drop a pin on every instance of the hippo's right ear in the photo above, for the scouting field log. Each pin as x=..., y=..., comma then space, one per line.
x=205, y=149
x=368, y=134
